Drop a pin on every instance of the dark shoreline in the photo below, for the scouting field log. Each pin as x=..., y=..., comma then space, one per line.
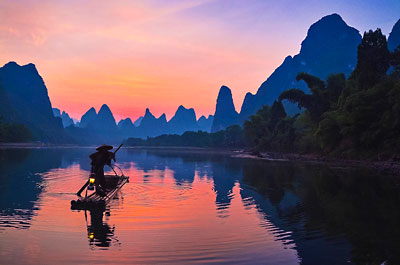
x=386, y=166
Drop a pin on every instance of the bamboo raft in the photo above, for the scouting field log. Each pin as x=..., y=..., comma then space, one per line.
x=94, y=201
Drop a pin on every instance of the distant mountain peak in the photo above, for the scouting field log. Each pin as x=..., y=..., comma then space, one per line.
x=326, y=32
x=334, y=17
x=90, y=116
x=11, y=64
x=330, y=46
x=128, y=120
x=31, y=67
x=126, y=125
x=91, y=110
x=225, y=98
x=183, y=120
x=148, y=114
x=24, y=100
x=205, y=123
x=104, y=107
x=56, y=112
x=225, y=113
x=181, y=107
x=224, y=90
x=394, y=37
x=162, y=118
x=327, y=22
x=138, y=121
x=105, y=118
x=184, y=111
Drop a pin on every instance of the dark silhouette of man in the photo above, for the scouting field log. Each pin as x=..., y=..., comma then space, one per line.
x=99, y=159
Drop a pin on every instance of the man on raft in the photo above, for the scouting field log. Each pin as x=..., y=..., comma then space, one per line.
x=98, y=160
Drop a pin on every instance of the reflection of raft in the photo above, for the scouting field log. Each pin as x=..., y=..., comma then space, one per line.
x=94, y=201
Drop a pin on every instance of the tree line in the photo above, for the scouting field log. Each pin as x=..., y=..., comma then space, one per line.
x=13, y=132
x=354, y=117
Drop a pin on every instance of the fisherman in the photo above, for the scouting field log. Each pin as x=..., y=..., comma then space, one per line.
x=99, y=159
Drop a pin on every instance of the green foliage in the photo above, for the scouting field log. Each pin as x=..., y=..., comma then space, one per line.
x=270, y=128
x=305, y=128
x=373, y=59
x=395, y=62
x=358, y=117
x=11, y=132
x=322, y=96
x=231, y=137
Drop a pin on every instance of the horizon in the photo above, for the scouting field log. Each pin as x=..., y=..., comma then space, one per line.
x=155, y=51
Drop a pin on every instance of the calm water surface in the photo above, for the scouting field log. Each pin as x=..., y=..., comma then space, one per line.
x=185, y=208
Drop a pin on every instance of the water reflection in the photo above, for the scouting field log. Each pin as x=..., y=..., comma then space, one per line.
x=191, y=207
x=21, y=184
x=343, y=215
x=100, y=234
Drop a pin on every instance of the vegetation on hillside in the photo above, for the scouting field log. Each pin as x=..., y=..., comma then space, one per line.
x=12, y=132
x=357, y=117
x=232, y=137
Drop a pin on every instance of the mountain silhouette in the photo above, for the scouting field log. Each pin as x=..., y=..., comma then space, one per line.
x=125, y=124
x=105, y=120
x=183, y=120
x=394, y=37
x=138, y=121
x=151, y=126
x=89, y=117
x=96, y=128
x=65, y=118
x=126, y=127
x=225, y=113
x=24, y=99
x=205, y=123
x=329, y=47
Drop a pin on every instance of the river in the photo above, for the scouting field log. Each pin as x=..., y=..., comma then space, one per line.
x=196, y=208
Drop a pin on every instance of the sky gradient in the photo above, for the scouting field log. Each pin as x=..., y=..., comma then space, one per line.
x=161, y=54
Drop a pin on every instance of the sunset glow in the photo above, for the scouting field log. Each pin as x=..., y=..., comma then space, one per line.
x=160, y=54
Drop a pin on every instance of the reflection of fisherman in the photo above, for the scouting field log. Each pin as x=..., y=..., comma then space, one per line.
x=99, y=232
x=99, y=159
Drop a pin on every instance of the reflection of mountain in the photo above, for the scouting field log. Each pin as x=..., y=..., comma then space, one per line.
x=183, y=167
x=331, y=216
x=21, y=183
x=224, y=176
x=341, y=215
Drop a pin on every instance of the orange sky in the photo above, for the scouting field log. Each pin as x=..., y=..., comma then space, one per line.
x=158, y=54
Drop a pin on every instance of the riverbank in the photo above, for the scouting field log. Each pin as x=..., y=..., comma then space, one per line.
x=39, y=145
x=386, y=166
